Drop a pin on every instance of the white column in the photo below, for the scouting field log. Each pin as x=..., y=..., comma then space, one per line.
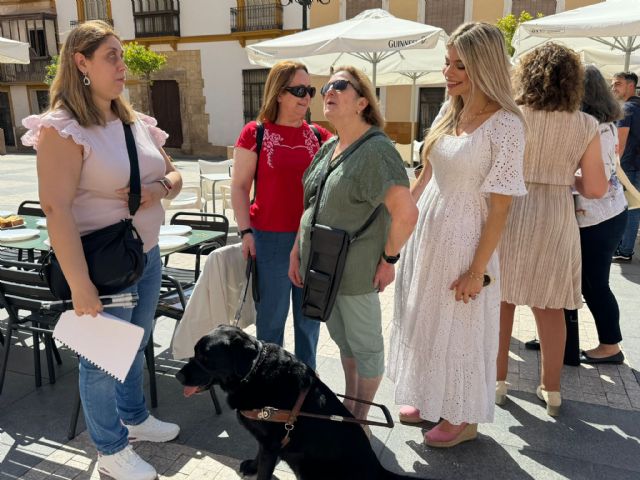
x=560, y=6
x=508, y=5
x=468, y=10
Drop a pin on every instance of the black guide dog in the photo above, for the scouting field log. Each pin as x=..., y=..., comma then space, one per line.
x=256, y=375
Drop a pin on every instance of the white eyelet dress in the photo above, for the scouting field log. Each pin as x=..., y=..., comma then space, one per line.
x=442, y=354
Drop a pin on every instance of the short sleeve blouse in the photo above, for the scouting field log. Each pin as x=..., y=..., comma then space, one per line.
x=106, y=169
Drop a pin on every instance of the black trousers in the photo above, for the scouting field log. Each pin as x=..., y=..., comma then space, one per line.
x=599, y=243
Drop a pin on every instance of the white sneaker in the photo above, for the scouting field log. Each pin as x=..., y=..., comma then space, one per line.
x=126, y=465
x=153, y=430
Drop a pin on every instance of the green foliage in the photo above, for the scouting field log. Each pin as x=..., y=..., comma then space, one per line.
x=51, y=69
x=141, y=61
x=509, y=24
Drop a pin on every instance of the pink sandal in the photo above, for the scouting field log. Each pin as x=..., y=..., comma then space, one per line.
x=436, y=437
x=409, y=414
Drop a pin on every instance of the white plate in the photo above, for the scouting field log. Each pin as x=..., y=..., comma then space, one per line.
x=174, y=229
x=42, y=223
x=17, y=235
x=6, y=213
x=47, y=242
x=166, y=242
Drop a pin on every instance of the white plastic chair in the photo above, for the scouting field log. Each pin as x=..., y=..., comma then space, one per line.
x=189, y=197
x=404, y=149
x=208, y=187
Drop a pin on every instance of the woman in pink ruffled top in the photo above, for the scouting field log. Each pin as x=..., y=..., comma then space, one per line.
x=83, y=177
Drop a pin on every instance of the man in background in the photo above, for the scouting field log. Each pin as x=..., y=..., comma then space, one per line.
x=624, y=86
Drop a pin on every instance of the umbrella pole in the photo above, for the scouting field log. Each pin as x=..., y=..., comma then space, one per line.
x=413, y=116
x=627, y=60
x=373, y=76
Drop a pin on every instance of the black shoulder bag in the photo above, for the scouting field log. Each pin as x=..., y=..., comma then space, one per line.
x=114, y=254
x=328, y=251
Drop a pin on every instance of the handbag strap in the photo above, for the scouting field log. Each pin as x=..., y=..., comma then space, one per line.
x=135, y=186
x=326, y=171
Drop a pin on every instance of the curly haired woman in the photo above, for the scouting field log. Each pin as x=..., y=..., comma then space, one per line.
x=540, y=261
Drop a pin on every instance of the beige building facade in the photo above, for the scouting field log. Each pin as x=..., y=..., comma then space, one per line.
x=208, y=89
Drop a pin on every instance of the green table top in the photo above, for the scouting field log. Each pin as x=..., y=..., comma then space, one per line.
x=195, y=237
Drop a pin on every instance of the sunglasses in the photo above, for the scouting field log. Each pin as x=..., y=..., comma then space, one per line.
x=338, y=86
x=301, y=91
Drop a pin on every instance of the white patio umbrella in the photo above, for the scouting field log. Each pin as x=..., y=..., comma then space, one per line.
x=607, y=27
x=416, y=68
x=369, y=41
x=12, y=51
x=609, y=62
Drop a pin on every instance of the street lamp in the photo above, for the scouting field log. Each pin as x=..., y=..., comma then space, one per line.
x=305, y=4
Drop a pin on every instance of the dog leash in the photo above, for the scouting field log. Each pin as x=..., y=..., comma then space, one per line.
x=243, y=298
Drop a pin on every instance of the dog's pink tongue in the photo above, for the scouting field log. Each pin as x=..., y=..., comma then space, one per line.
x=188, y=391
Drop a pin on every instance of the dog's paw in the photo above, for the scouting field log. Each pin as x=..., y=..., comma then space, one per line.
x=249, y=467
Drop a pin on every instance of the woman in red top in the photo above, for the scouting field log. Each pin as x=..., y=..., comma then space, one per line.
x=268, y=226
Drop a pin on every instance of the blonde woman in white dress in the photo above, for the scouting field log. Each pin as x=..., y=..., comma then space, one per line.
x=445, y=326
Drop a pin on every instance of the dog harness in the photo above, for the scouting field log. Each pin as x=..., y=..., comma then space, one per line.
x=289, y=417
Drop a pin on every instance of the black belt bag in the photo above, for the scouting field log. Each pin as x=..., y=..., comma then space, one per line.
x=114, y=254
x=328, y=251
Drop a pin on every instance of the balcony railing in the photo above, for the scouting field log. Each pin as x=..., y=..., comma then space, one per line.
x=34, y=72
x=75, y=23
x=255, y=18
x=156, y=18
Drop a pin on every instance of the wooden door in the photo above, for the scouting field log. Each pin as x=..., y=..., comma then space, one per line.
x=430, y=102
x=165, y=95
x=5, y=120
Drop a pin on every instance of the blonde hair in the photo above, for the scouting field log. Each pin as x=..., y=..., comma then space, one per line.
x=371, y=114
x=482, y=49
x=279, y=77
x=67, y=90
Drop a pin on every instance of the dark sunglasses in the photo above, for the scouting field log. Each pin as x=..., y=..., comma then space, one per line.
x=301, y=91
x=338, y=86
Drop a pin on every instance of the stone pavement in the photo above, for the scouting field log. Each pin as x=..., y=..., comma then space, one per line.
x=596, y=437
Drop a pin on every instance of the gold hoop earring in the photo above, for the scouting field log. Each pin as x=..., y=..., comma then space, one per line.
x=86, y=80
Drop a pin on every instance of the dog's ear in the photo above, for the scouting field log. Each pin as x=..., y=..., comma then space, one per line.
x=244, y=350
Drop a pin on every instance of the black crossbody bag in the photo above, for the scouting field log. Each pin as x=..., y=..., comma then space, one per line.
x=114, y=254
x=328, y=251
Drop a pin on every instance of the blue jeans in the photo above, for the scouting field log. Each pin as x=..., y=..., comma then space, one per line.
x=628, y=241
x=272, y=256
x=105, y=401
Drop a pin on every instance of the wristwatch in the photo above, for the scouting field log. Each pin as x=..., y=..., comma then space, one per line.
x=245, y=231
x=391, y=259
x=166, y=184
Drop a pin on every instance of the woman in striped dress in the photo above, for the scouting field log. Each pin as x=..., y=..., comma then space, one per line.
x=540, y=252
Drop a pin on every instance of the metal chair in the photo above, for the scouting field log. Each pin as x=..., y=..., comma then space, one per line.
x=31, y=207
x=172, y=304
x=200, y=221
x=23, y=290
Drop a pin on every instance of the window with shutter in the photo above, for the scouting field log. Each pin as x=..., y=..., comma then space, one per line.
x=545, y=7
x=354, y=7
x=446, y=14
x=252, y=90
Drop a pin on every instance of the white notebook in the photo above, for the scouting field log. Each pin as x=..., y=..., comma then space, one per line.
x=108, y=342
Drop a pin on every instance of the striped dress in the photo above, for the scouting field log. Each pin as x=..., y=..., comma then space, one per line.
x=540, y=249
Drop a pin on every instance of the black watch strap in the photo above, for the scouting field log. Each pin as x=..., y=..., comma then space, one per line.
x=245, y=231
x=392, y=259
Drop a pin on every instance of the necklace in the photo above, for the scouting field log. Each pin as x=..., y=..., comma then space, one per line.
x=467, y=119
